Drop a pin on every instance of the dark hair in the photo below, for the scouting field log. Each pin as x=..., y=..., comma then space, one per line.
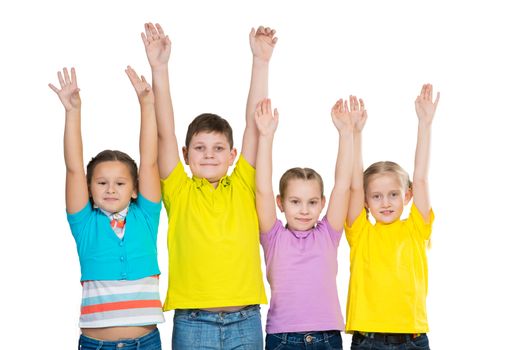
x=109, y=156
x=209, y=122
x=301, y=174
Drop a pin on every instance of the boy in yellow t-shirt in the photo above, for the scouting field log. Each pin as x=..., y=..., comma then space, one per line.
x=386, y=304
x=215, y=277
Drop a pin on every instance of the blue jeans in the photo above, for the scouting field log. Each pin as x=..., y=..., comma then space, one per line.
x=361, y=342
x=150, y=341
x=328, y=340
x=198, y=329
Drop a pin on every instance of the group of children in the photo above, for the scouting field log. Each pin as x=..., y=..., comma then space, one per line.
x=217, y=221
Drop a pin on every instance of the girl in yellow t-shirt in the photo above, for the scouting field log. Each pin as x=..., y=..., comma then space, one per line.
x=388, y=286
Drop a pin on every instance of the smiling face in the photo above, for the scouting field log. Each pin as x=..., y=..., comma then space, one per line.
x=209, y=156
x=302, y=203
x=112, y=186
x=386, y=196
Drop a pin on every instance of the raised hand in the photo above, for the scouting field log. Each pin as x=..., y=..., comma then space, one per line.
x=142, y=87
x=69, y=92
x=266, y=121
x=157, y=45
x=424, y=105
x=262, y=42
x=358, y=113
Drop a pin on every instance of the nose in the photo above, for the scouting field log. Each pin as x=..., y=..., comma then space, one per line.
x=209, y=154
x=385, y=201
x=110, y=188
x=304, y=209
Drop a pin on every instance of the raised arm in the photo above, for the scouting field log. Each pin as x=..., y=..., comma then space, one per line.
x=148, y=178
x=158, y=49
x=77, y=193
x=338, y=201
x=425, y=108
x=266, y=123
x=262, y=42
x=356, y=196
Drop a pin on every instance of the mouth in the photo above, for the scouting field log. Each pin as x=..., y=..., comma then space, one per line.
x=387, y=212
x=111, y=199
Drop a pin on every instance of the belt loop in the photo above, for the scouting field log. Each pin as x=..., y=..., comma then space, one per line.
x=138, y=344
x=326, y=337
x=284, y=338
x=100, y=344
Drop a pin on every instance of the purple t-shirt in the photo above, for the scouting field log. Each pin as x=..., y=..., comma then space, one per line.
x=301, y=267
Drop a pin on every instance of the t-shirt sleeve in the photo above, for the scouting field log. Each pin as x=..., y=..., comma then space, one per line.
x=172, y=184
x=78, y=220
x=245, y=174
x=333, y=234
x=151, y=209
x=267, y=240
x=353, y=232
x=420, y=226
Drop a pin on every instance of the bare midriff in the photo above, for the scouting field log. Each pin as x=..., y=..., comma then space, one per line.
x=117, y=333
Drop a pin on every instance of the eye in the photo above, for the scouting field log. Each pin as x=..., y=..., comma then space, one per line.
x=294, y=201
x=375, y=197
x=120, y=183
x=219, y=148
x=101, y=183
x=199, y=148
x=394, y=194
x=315, y=202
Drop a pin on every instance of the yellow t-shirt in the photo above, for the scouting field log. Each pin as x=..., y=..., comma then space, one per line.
x=389, y=275
x=213, y=240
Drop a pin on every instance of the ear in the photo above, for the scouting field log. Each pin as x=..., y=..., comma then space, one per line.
x=279, y=203
x=232, y=156
x=407, y=196
x=323, y=201
x=134, y=195
x=185, y=155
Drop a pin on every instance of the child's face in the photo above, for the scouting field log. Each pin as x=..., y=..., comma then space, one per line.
x=112, y=186
x=386, y=197
x=302, y=204
x=209, y=156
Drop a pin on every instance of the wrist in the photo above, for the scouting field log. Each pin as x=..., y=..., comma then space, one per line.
x=159, y=68
x=260, y=61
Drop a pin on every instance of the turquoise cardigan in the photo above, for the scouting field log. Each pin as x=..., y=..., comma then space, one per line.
x=103, y=256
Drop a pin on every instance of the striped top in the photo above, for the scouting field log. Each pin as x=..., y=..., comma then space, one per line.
x=121, y=303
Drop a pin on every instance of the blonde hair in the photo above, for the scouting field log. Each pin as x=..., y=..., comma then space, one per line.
x=387, y=167
x=301, y=174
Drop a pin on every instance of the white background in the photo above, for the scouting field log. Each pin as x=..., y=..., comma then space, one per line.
x=382, y=51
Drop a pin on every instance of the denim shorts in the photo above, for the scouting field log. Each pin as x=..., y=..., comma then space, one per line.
x=199, y=329
x=325, y=340
x=361, y=342
x=150, y=341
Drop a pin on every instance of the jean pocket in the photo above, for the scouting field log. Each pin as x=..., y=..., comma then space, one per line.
x=273, y=342
x=359, y=342
x=419, y=343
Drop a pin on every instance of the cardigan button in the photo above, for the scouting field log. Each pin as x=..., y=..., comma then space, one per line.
x=121, y=258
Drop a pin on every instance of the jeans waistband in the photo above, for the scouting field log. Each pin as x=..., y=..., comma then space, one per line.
x=221, y=316
x=305, y=337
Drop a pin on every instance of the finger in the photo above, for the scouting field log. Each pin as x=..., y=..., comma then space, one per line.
x=260, y=30
x=160, y=30
x=275, y=39
x=144, y=39
x=346, y=108
x=252, y=32
x=73, y=76
x=61, y=79
x=273, y=32
x=267, y=31
x=54, y=88
x=66, y=76
x=362, y=105
x=268, y=106
x=430, y=92
x=275, y=115
x=437, y=99
x=149, y=30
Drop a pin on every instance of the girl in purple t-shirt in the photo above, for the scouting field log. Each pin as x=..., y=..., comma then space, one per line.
x=301, y=256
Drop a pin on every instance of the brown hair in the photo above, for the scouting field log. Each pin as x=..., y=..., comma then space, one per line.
x=209, y=122
x=301, y=174
x=109, y=156
x=387, y=167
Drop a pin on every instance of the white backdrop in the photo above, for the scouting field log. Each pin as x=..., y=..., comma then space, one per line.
x=382, y=51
